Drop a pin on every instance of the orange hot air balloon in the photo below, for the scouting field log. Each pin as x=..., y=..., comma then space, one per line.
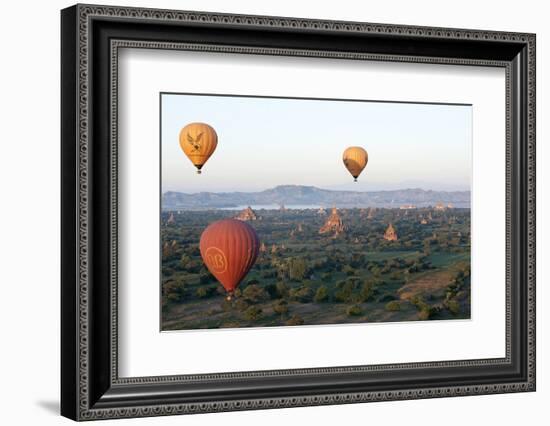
x=229, y=248
x=198, y=141
x=355, y=159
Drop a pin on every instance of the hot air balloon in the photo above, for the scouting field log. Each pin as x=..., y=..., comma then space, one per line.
x=198, y=141
x=355, y=159
x=229, y=248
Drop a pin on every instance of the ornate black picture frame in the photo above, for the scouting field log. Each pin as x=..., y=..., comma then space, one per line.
x=91, y=37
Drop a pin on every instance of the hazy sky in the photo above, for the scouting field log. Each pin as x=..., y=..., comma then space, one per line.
x=265, y=142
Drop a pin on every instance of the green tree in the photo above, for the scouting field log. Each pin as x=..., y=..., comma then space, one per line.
x=367, y=291
x=301, y=294
x=321, y=295
x=393, y=306
x=297, y=268
x=348, y=270
x=254, y=293
x=280, y=307
x=282, y=289
x=453, y=306
x=271, y=290
x=345, y=293
x=295, y=320
x=184, y=261
x=172, y=292
x=206, y=277
x=252, y=313
x=205, y=292
x=354, y=310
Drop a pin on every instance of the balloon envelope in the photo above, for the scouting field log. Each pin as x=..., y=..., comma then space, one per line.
x=229, y=248
x=198, y=141
x=355, y=159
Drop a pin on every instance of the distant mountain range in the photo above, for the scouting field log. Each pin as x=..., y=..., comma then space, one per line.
x=309, y=195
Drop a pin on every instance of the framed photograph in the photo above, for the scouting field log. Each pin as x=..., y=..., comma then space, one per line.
x=263, y=212
x=250, y=246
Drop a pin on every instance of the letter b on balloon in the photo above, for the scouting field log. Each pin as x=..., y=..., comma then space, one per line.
x=216, y=260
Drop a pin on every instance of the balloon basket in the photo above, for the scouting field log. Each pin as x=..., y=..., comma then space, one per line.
x=199, y=172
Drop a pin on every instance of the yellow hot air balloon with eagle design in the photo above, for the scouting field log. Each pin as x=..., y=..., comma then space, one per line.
x=355, y=159
x=198, y=142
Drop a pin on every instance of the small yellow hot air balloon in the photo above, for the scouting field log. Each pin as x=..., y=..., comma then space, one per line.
x=198, y=141
x=355, y=159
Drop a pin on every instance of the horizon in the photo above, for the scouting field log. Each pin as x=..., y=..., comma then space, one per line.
x=310, y=197
x=262, y=141
x=316, y=187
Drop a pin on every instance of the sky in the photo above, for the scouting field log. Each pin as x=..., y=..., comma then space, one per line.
x=266, y=142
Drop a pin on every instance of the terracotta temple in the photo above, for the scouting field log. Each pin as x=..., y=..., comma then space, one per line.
x=333, y=224
x=390, y=234
x=246, y=215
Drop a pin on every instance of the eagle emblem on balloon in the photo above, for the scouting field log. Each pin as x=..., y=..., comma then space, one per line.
x=195, y=142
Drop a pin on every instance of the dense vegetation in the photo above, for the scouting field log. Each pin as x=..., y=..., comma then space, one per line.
x=303, y=277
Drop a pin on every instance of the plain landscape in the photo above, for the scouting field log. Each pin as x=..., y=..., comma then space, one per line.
x=376, y=257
